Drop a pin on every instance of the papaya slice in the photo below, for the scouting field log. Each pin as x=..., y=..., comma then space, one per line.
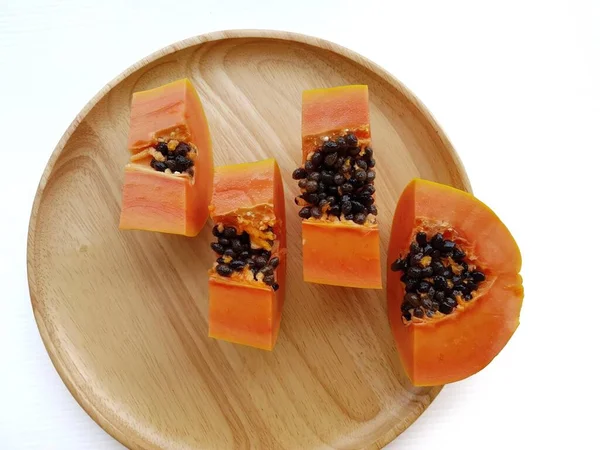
x=340, y=234
x=454, y=287
x=168, y=179
x=247, y=281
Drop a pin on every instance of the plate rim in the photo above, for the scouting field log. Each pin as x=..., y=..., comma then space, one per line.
x=213, y=36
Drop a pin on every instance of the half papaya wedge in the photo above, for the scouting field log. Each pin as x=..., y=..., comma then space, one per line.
x=168, y=180
x=247, y=280
x=454, y=287
x=340, y=234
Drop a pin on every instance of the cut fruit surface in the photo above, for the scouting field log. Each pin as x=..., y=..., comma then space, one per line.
x=340, y=234
x=453, y=284
x=247, y=281
x=168, y=180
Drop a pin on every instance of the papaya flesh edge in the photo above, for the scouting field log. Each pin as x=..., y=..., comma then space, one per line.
x=160, y=201
x=449, y=348
x=338, y=252
x=244, y=310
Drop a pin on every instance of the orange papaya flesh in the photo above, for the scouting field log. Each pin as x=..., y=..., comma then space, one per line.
x=247, y=280
x=168, y=179
x=340, y=233
x=454, y=288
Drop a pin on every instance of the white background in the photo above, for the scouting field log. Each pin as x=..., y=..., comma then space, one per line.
x=515, y=84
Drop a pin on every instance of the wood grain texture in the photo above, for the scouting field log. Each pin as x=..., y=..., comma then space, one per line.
x=123, y=314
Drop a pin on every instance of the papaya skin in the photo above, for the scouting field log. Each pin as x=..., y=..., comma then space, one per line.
x=158, y=201
x=248, y=312
x=338, y=252
x=449, y=348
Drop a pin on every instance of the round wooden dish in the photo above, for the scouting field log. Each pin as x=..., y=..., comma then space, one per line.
x=123, y=314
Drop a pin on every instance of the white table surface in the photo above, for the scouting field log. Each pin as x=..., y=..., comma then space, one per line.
x=516, y=88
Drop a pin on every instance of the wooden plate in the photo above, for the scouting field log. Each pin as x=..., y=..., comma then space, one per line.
x=124, y=314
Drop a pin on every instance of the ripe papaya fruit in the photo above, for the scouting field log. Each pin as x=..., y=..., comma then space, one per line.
x=454, y=289
x=168, y=179
x=247, y=280
x=340, y=233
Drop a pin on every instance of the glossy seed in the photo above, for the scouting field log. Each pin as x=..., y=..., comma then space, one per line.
x=171, y=165
x=304, y=213
x=237, y=246
x=373, y=210
x=414, y=248
x=412, y=298
x=317, y=159
x=327, y=178
x=458, y=255
x=445, y=308
x=330, y=159
x=416, y=259
x=370, y=176
x=314, y=176
x=427, y=303
x=347, y=188
x=158, y=165
x=269, y=279
x=467, y=297
x=418, y=313
x=448, y=247
x=405, y=307
x=312, y=186
x=398, y=265
x=229, y=232
x=421, y=238
x=478, y=276
x=229, y=252
x=315, y=212
x=439, y=296
x=411, y=285
x=427, y=272
x=414, y=272
x=339, y=163
x=220, y=260
x=215, y=231
x=224, y=242
x=360, y=218
x=351, y=140
x=451, y=302
x=162, y=148
x=309, y=166
x=323, y=203
x=437, y=241
x=423, y=287
x=427, y=250
x=361, y=175
x=362, y=165
x=322, y=188
x=366, y=200
x=358, y=207
x=407, y=316
x=349, y=216
x=182, y=149
x=368, y=190
x=353, y=151
x=312, y=198
x=338, y=179
x=274, y=262
x=439, y=282
x=224, y=270
x=330, y=146
x=237, y=265
x=217, y=248
x=302, y=183
x=371, y=163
